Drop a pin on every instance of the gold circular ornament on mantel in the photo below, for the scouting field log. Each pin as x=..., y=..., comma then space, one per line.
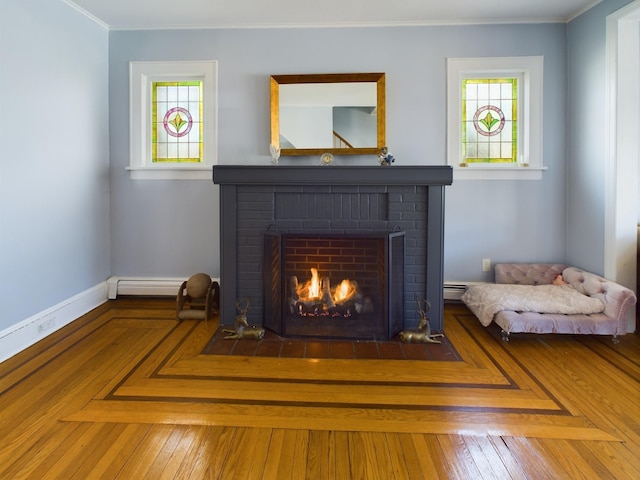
x=326, y=159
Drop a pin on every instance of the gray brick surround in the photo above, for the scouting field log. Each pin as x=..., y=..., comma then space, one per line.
x=330, y=200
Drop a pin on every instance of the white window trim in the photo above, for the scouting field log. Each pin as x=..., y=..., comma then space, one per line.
x=141, y=76
x=530, y=166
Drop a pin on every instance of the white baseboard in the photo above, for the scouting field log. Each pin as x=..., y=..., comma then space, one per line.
x=33, y=329
x=168, y=286
x=151, y=286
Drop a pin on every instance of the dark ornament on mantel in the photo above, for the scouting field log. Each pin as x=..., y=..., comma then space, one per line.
x=243, y=330
x=423, y=333
x=385, y=158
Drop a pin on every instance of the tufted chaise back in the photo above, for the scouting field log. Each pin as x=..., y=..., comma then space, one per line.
x=528, y=273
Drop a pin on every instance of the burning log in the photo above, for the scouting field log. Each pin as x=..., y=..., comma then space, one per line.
x=364, y=305
x=293, y=287
x=327, y=299
x=317, y=298
x=293, y=294
x=301, y=305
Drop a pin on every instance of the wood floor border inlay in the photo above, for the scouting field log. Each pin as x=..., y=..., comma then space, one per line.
x=489, y=390
x=125, y=392
x=169, y=369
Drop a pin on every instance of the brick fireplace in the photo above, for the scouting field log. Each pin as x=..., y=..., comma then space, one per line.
x=258, y=202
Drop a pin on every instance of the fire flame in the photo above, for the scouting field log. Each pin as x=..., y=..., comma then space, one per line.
x=312, y=290
x=344, y=291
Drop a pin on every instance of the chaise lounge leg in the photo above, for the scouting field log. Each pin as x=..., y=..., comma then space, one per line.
x=615, y=339
x=505, y=336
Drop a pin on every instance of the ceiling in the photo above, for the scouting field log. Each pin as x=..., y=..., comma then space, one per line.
x=145, y=14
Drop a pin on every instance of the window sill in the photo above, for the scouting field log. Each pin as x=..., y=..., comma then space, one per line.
x=201, y=172
x=498, y=173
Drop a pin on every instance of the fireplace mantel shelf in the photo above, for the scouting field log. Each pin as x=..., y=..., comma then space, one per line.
x=324, y=175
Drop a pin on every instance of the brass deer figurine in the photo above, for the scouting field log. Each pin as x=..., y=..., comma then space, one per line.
x=423, y=333
x=243, y=330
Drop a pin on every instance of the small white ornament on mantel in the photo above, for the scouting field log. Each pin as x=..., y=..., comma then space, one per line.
x=275, y=154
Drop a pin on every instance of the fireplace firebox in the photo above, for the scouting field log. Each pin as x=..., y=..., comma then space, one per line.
x=334, y=286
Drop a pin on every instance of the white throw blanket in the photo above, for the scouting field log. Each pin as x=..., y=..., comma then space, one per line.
x=488, y=299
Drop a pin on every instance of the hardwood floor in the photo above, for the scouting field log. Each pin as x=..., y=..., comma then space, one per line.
x=124, y=392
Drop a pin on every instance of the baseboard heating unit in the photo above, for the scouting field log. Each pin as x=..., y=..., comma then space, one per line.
x=453, y=290
x=151, y=286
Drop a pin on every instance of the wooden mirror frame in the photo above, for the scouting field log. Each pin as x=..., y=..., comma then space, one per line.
x=378, y=78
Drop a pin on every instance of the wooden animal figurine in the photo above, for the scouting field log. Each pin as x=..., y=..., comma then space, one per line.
x=423, y=333
x=243, y=330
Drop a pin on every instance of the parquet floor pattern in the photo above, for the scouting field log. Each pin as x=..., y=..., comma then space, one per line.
x=125, y=392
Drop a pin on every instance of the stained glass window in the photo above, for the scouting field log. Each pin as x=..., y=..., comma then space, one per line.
x=490, y=120
x=494, y=118
x=177, y=122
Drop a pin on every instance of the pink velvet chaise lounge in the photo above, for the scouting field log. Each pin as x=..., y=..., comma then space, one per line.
x=604, y=312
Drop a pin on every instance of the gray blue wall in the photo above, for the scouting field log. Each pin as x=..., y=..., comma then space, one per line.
x=501, y=220
x=54, y=156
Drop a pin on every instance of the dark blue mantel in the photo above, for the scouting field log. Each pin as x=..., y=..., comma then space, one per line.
x=330, y=175
x=248, y=210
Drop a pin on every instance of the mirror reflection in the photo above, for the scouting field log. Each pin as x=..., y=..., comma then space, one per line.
x=337, y=113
